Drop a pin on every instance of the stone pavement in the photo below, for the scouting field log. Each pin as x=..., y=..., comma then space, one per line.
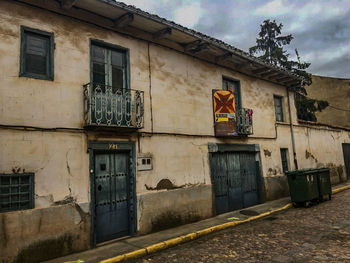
x=296, y=235
x=306, y=235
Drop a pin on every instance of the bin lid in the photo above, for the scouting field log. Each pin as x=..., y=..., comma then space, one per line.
x=323, y=169
x=302, y=171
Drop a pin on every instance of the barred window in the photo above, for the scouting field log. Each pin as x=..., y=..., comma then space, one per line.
x=16, y=191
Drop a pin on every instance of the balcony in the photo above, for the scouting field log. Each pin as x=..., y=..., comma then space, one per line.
x=106, y=106
x=244, y=121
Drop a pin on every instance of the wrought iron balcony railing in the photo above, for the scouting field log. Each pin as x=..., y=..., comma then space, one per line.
x=245, y=121
x=106, y=106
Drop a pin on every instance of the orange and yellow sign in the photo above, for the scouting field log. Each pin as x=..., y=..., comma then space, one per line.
x=224, y=113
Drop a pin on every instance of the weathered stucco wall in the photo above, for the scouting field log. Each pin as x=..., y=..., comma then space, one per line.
x=337, y=92
x=182, y=128
x=39, y=234
x=58, y=103
x=322, y=147
x=59, y=161
x=187, y=85
x=185, y=82
x=174, y=207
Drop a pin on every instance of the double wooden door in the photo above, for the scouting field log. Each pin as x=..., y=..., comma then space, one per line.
x=235, y=179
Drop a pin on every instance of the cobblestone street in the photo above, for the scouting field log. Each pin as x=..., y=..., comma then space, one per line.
x=317, y=234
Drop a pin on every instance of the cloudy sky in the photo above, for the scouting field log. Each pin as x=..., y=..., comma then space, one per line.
x=321, y=28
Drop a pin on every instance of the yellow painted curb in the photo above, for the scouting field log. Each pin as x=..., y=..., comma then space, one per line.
x=188, y=237
x=115, y=259
x=156, y=247
x=173, y=241
x=340, y=189
x=135, y=254
x=191, y=236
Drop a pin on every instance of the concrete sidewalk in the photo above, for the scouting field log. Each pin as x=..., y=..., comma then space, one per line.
x=130, y=244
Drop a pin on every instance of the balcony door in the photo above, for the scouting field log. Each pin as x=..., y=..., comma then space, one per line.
x=109, y=67
x=110, y=93
x=234, y=87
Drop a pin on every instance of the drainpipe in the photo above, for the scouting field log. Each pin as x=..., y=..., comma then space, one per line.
x=292, y=132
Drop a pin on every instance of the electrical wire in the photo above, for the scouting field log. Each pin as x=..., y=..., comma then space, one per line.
x=336, y=108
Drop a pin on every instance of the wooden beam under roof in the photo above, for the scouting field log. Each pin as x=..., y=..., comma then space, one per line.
x=291, y=82
x=270, y=74
x=196, y=46
x=124, y=20
x=162, y=33
x=200, y=48
x=275, y=76
x=244, y=65
x=192, y=45
x=283, y=78
x=261, y=70
x=67, y=4
x=223, y=58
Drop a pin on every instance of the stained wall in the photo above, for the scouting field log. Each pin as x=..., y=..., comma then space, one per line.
x=177, y=129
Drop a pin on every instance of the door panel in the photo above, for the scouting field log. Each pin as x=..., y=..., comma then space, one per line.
x=249, y=178
x=219, y=177
x=346, y=153
x=235, y=180
x=111, y=196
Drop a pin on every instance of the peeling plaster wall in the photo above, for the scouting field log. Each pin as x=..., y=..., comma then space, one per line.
x=59, y=161
x=36, y=235
x=56, y=103
x=187, y=83
x=322, y=148
x=174, y=208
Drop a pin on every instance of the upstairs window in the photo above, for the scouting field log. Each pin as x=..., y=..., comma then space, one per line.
x=37, y=48
x=16, y=191
x=235, y=87
x=278, y=108
x=109, y=66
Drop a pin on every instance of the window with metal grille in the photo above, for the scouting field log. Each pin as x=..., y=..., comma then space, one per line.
x=278, y=108
x=16, y=191
x=284, y=158
x=37, y=49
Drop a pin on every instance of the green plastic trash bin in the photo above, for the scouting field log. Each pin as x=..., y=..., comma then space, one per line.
x=303, y=186
x=324, y=183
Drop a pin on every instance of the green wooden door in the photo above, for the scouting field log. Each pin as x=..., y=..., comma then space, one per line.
x=112, y=196
x=235, y=179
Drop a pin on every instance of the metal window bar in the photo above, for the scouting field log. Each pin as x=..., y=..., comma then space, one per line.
x=108, y=106
x=16, y=191
x=245, y=121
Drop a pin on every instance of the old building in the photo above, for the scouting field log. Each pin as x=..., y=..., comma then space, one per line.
x=108, y=129
x=337, y=92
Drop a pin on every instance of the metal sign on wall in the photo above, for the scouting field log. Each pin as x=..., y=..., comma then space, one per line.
x=225, y=120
